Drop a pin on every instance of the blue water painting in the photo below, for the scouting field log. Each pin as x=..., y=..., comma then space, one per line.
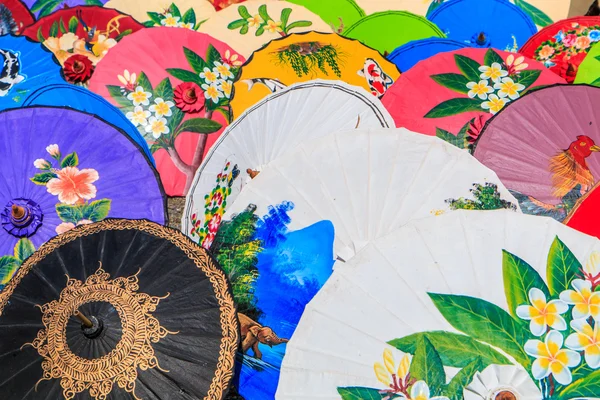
x=292, y=266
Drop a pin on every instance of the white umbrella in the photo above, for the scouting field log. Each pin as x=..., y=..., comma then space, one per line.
x=279, y=123
x=505, y=298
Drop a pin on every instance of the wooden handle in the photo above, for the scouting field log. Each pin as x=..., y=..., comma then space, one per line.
x=84, y=320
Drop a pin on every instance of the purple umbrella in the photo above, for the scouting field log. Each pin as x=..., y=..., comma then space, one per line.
x=63, y=168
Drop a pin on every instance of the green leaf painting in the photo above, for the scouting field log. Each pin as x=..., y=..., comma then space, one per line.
x=453, y=349
x=456, y=82
x=70, y=160
x=492, y=57
x=562, y=267
x=97, y=210
x=43, y=178
x=463, y=378
x=485, y=322
x=584, y=388
x=453, y=107
x=359, y=393
x=427, y=366
x=538, y=16
x=519, y=278
x=469, y=67
x=528, y=77
x=200, y=125
x=23, y=249
x=184, y=75
x=8, y=267
x=69, y=213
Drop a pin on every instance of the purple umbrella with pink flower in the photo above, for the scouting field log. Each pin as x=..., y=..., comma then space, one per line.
x=64, y=168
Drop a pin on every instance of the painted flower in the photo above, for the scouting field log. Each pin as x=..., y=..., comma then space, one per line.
x=594, y=35
x=586, y=339
x=216, y=199
x=188, y=97
x=591, y=269
x=127, y=79
x=273, y=26
x=569, y=40
x=40, y=163
x=494, y=103
x=549, y=64
x=387, y=373
x=502, y=382
x=213, y=224
x=209, y=76
x=232, y=59
x=212, y=92
x=546, y=52
x=495, y=72
x=162, y=108
x=420, y=391
x=157, y=126
x=208, y=240
x=223, y=70
x=64, y=227
x=543, y=314
x=65, y=42
x=73, y=185
x=139, y=96
x=78, y=69
x=480, y=89
x=103, y=44
x=516, y=64
x=508, y=88
x=551, y=358
x=138, y=116
x=187, y=25
x=226, y=87
x=53, y=150
x=254, y=21
x=585, y=301
x=170, y=20
x=582, y=42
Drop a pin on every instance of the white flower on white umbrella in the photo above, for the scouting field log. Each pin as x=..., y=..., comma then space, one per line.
x=420, y=391
x=543, y=314
x=551, y=358
x=500, y=382
x=586, y=339
x=586, y=302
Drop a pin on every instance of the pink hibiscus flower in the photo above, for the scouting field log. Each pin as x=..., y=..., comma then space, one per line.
x=73, y=185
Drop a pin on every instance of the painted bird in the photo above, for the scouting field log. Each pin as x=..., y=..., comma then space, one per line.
x=569, y=168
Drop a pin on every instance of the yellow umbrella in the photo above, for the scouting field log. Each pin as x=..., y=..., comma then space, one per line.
x=248, y=26
x=181, y=13
x=307, y=56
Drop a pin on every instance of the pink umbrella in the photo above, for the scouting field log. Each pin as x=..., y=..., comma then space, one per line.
x=452, y=94
x=174, y=85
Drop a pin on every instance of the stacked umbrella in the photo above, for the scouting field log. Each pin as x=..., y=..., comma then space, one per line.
x=354, y=173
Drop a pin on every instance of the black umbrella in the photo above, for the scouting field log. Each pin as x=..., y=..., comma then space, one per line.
x=119, y=309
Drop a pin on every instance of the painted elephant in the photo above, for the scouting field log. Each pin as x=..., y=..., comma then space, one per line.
x=254, y=333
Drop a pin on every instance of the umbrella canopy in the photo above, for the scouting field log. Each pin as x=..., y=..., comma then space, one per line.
x=269, y=129
x=454, y=298
x=452, y=94
x=81, y=36
x=407, y=55
x=385, y=31
x=549, y=157
x=26, y=66
x=471, y=22
x=339, y=14
x=177, y=13
x=149, y=337
x=177, y=98
x=64, y=168
x=81, y=99
x=588, y=69
x=41, y=8
x=306, y=56
x=247, y=27
x=328, y=196
x=14, y=17
x=564, y=45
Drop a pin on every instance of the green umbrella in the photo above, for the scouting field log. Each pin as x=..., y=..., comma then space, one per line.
x=589, y=69
x=388, y=30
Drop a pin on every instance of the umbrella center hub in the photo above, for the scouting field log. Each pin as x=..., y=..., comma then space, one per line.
x=95, y=330
x=481, y=39
x=21, y=217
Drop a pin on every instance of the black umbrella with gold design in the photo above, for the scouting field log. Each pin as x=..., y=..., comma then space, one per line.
x=120, y=309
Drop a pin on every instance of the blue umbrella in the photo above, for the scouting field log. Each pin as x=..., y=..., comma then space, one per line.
x=407, y=55
x=490, y=23
x=79, y=98
x=26, y=66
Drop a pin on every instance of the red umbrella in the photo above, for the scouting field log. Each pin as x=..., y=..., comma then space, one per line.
x=563, y=45
x=80, y=36
x=584, y=217
x=14, y=17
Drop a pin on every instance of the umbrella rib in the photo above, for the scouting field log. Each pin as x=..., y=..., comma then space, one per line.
x=131, y=242
x=38, y=359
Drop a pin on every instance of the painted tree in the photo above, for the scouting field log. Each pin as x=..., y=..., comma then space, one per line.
x=486, y=197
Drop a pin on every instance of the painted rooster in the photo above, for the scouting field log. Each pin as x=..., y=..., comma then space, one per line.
x=571, y=179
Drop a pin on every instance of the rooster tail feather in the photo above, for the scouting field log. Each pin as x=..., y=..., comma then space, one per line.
x=567, y=173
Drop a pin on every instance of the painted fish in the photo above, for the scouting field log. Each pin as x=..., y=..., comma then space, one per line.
x=11, y=68
x=272, y=84
x=378, y=80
